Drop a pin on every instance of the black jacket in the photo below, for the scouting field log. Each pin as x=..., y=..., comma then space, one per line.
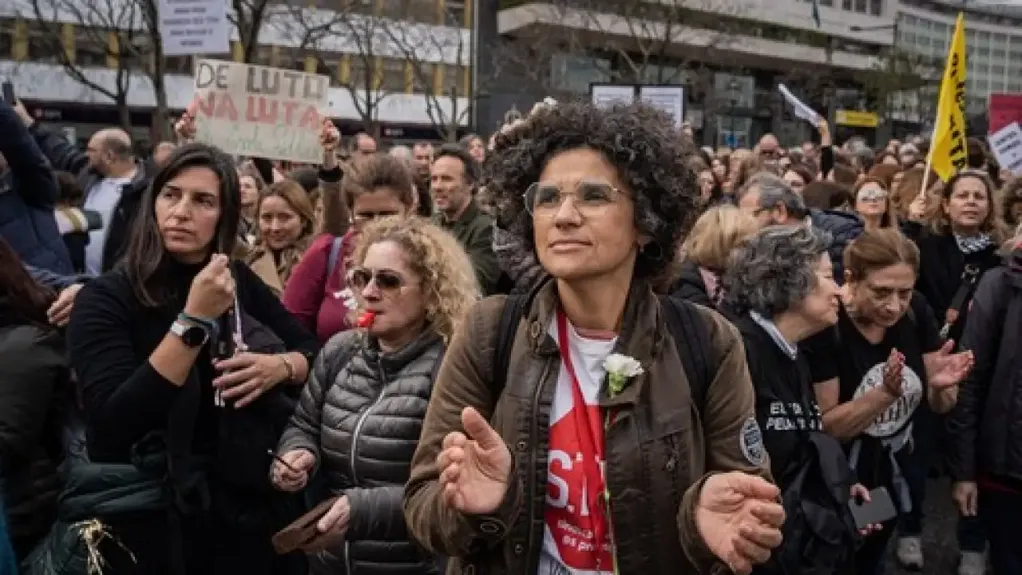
x=985, y=430
x=941, y=264
x=66, y=157
x=362, y=418
x=28, y=193
x=843, y=228
x=33, y=392
x=691, y=287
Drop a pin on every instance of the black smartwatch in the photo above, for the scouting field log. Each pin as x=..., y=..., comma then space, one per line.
x=190, y=334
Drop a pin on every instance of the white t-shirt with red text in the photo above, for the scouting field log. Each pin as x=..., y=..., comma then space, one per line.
x=567, y=535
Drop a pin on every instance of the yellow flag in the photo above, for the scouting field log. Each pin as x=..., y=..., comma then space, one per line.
x=948, y=153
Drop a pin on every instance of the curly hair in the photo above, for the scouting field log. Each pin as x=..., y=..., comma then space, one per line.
x=774, y=270
x=1011, y=194
x=449, y=283
x=638, y=140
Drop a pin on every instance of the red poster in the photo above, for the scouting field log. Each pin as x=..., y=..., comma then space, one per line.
x=1004, y=109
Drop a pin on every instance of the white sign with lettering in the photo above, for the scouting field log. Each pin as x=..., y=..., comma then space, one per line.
x=194, y=27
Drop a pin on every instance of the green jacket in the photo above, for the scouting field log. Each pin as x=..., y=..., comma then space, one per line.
x=474, y=231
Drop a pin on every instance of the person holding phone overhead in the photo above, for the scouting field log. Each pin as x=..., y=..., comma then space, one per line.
x=149, y=342
x=875, y=367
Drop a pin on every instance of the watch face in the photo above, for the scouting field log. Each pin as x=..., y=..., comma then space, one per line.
x=194, y=336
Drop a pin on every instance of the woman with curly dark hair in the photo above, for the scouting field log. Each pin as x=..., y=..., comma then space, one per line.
x=33, y=377
x=561, y=436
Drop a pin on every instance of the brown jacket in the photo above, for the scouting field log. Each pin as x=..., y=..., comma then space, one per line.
x=659, y=449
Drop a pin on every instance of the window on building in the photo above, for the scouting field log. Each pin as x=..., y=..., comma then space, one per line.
x=876, y=7
x=6, y=39
x=264, y=56
x=418, y=11
x=360, y=6
x=178, y=65
x=359, y=72
x=454, y=13
x=44, y=41
x=422, y=77
x=328, y=64
x=92, y=46
x=575, y=73
x=392, y=75
x=846, y=4
x=860, y=6
x=454, y=81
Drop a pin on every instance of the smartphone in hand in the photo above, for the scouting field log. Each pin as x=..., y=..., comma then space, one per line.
x=879, y=509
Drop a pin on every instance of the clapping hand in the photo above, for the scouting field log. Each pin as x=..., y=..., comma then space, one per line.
x=893, y=381
x=474, y=466
x=739, y=518
x=945, y=369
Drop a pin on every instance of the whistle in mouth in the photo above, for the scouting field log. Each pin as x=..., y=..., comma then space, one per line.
x=366, y=320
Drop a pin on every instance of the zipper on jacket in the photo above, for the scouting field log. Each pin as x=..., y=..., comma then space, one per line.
x=348, y=565
x=533, y=435
x=361, y=420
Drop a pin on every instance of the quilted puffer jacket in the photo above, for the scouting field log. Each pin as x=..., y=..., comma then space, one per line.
x=363, y=425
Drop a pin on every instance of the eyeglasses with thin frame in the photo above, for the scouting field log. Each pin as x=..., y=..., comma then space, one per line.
x=589, y=197
x=361, y=218
x=386, y=281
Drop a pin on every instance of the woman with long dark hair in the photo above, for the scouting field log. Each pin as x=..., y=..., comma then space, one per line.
x=180, y=407
x=33, y=377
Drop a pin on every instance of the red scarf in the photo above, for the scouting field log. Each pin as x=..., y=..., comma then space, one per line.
x=590, y=440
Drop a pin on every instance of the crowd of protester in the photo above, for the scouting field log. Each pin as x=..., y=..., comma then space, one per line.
x=692, y=358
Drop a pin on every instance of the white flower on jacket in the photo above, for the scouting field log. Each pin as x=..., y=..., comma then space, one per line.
x=620, y=371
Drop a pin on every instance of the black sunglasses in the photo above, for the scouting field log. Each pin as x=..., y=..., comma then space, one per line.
x=386, y=281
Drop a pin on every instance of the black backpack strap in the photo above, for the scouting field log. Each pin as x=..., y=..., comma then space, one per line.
x=510, y=317
x=690, y=330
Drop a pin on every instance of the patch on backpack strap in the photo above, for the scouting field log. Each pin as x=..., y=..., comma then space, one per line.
x=750, y=439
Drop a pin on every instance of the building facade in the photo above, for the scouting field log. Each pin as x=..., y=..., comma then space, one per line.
x=729, y=54
x=872, y=66
x=993, y=39
x=401, y=68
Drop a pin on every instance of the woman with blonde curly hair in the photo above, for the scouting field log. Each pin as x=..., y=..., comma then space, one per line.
x=285, y=224
x=358, y=421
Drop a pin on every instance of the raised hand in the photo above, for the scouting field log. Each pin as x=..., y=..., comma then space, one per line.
x=945, y=369
x=739, y=518
x=185, y=126
x=212, y=291
x=893, y=380
x=474, y=466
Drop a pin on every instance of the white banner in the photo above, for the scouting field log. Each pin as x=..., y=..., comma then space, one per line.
x=1006, y=144
x=194, y=27
x=259, y=111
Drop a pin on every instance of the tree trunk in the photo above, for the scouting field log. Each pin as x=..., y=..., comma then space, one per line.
x=123, y=112
x=161, y=121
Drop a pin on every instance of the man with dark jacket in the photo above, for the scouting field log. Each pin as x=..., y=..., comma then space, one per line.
x=28, y=193
x=113, y=180
x=772, y=201
x=985, y=459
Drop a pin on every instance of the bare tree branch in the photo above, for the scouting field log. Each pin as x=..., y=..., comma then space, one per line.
x=248, y=17
x=94, y=23
x=318, y=32
x=424, y=47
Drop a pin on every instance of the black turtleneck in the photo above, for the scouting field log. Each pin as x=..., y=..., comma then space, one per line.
x=110, y=338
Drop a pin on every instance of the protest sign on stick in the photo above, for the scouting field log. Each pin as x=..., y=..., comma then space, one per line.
x=260, y=111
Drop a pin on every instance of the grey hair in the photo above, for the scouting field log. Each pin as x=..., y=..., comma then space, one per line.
x=774, y=190
x=402, y=152
x=774, y=270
